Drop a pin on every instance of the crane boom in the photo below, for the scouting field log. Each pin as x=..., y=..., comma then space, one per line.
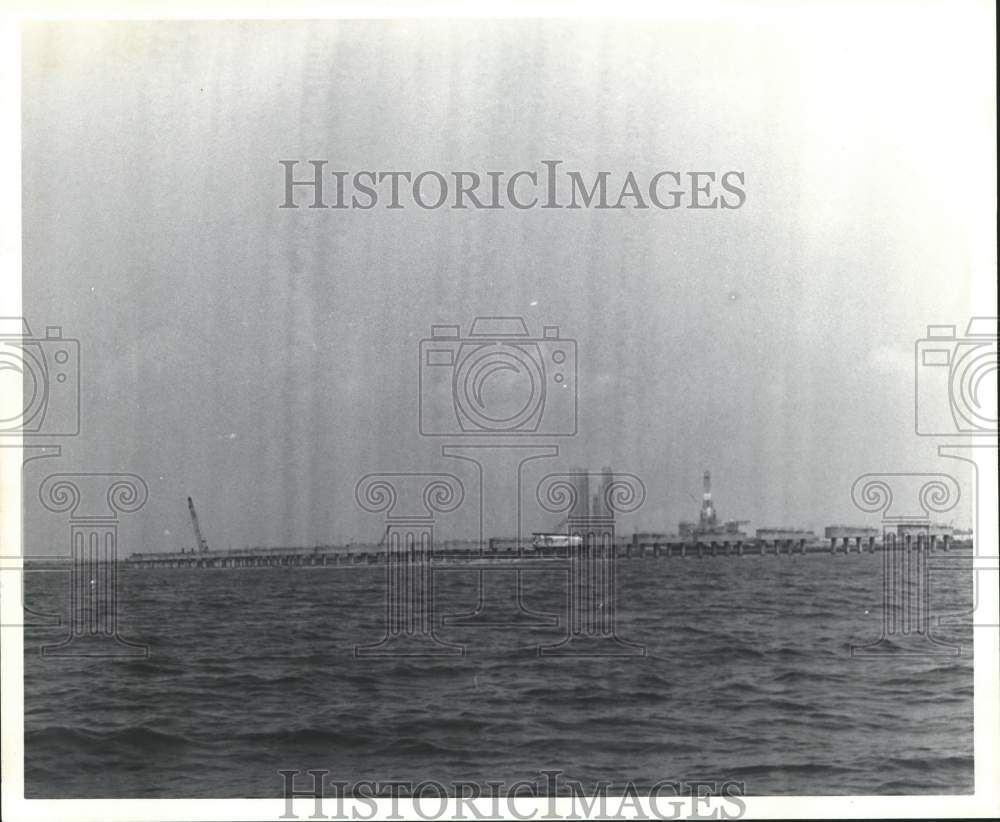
x=202, y=544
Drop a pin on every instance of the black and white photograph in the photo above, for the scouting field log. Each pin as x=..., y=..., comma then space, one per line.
x=528, y=414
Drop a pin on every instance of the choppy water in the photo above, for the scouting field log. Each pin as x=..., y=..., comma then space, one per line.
x=748, y=677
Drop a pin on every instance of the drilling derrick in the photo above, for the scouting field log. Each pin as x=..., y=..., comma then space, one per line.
x=199, y=539
x=708, y=519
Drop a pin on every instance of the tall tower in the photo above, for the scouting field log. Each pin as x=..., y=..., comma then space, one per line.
x=708, y=518
x=601, y=507
x=581, y=481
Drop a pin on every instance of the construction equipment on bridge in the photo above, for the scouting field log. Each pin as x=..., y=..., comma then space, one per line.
x=202, y=544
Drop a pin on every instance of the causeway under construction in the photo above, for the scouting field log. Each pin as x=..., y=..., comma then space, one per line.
x=709, y=537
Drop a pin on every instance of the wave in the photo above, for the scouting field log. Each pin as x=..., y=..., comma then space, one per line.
x=801, y=677
x=792, y=768
x=303, y=738
x=929, y=764
x=138, y=738
x=220, y=701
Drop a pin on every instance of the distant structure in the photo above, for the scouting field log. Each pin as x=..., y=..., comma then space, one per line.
x=586, y=505
x=708, y=519
x=599, y=502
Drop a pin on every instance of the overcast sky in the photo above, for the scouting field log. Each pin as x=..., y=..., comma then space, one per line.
x=261, y=360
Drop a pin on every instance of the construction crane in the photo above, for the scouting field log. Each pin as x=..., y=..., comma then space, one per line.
x=202, y=544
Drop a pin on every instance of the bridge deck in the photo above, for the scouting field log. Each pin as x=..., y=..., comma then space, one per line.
x=525, y=557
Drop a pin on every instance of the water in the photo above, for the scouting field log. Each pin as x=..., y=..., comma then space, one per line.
x=748, y=677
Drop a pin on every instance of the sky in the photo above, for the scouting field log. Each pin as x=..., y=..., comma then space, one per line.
x=263, y=360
